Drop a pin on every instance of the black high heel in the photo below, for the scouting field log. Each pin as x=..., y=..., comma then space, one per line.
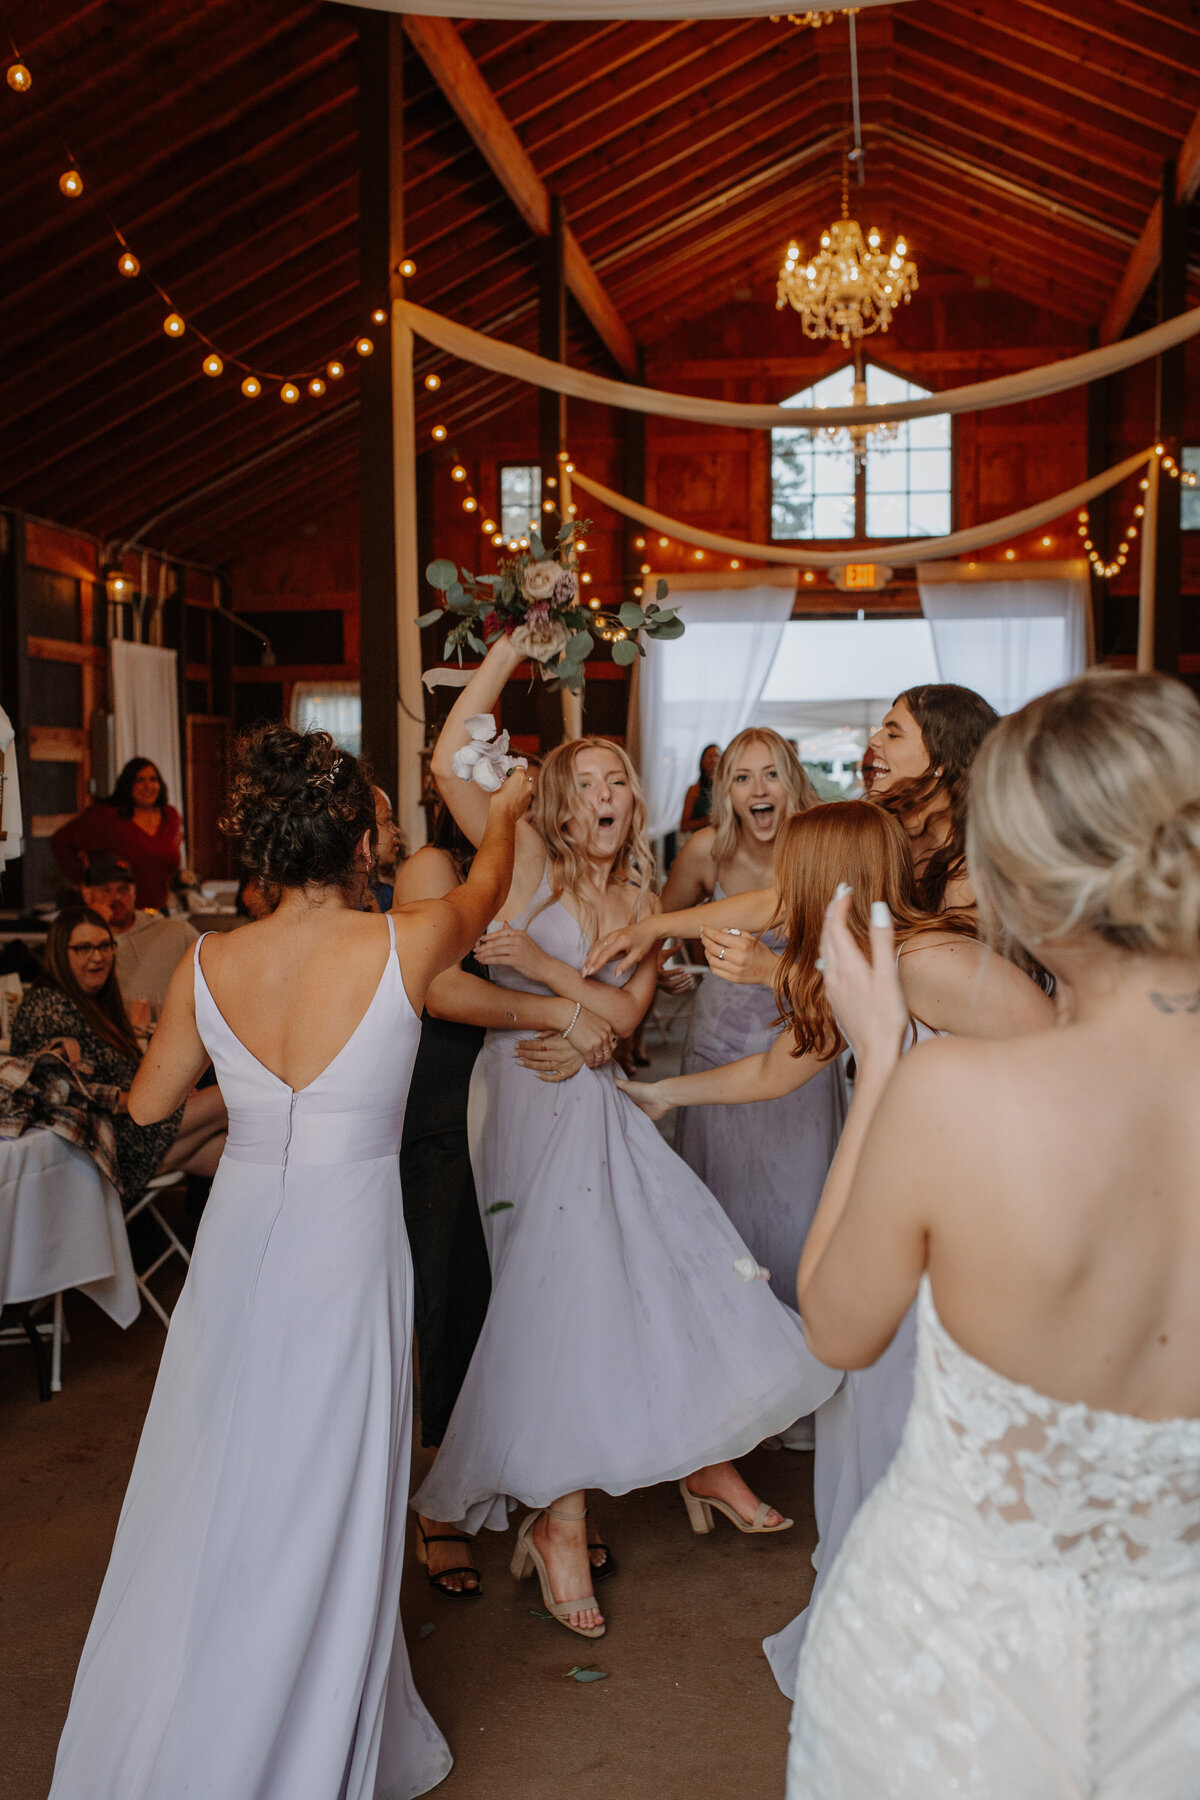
x=435, y=1581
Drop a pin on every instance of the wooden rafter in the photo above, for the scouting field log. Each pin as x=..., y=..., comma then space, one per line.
x=458, y=75
x=1146, y=255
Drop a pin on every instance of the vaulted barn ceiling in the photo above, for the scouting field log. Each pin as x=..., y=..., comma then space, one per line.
x=1017, y=140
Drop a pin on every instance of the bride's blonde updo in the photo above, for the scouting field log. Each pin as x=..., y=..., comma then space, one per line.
x=1085, y=816
x=298, y=807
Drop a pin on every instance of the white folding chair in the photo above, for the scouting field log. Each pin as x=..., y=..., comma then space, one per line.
x=37, y=1333
x=175, y=1246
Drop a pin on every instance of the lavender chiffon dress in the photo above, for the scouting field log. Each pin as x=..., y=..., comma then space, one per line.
x=621, y=1348
x=766, y=1161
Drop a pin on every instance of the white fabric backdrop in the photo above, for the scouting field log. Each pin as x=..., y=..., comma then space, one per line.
x=145, y=703
x=1009, y=640
x=598, y=9
x=704, y=687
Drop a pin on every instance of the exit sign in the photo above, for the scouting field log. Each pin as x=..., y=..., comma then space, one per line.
x=863, y=577
x=860, y=575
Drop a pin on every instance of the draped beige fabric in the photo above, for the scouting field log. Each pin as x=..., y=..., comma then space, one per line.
x=917, y=550
x=600, y=9
x=1028, y=384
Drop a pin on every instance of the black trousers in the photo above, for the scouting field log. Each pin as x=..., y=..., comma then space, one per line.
x=451, y=1275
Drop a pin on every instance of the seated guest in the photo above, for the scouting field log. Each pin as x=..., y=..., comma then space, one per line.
x=149, y=947
x=77, y=1004
x=134, y=823
x=697, y=802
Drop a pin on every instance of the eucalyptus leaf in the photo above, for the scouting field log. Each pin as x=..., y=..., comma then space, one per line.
x=564, y=531
x=499, y=1206
x=441, y=573
x=430, y=618
x=631, y=615
x=586, y=1672
x=477, y=643
x=536, y=547
x=664, y=614
x=673, y=628
x=426, y=1631
x=536, y=1613
x=580, y=645
x=624, y=651
x=662, y=590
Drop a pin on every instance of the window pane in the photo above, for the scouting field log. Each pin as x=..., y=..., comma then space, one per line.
x=1189, y=499
x=932, y=433
x=929, y=515
x=833, y=472
x=520, y=497
x=887, y=515
x=887, y=470
x=834, y=517
x=929, y=471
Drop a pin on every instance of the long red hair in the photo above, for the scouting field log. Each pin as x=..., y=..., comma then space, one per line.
x=843, y=840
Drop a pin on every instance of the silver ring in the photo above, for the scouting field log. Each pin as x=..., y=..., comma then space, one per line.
x=819, y=965
x=721, y=954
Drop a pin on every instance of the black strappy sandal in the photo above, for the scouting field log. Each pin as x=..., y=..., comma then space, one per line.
x=435, y=1581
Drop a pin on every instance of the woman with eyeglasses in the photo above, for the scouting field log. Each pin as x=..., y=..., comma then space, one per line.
x=77, y=1005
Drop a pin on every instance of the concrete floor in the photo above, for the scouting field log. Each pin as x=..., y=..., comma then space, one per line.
x=689, y=1710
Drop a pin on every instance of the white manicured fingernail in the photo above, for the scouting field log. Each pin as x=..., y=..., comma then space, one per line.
x=819, y=965
x=735, y=931
x=843, y=888
x=880, y=913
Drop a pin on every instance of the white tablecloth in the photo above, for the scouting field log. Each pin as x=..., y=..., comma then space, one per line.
x=61, y=1227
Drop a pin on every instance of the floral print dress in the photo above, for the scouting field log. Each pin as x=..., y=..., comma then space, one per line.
x=47, y=1013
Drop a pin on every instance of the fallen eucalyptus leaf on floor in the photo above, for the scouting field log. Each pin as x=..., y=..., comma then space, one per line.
x=426, y=1631
x=499, y=1206
x=535, y=1614
x=587, y=1672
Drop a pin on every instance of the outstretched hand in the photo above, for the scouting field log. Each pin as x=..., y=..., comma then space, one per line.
x=738, y=956
x=512, y=798
x=630, y=943
x=643, y=1095
x=866, y=996
x=515, y=949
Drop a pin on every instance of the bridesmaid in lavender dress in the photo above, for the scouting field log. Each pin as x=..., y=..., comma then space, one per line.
x=953, y=985
x=247, y=1643
x=622, y=1346
x=766, y=1162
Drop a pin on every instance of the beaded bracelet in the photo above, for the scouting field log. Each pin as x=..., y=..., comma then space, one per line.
x=574, y=1022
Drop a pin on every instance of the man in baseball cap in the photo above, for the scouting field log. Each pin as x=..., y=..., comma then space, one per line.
x=149, y=947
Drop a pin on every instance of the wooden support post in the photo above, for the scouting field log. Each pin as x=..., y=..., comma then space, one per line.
x=552, y=342
x=1169, y=425
x=390, y=669
x=632, y=427
x=1103, y=622
x=1146, y=592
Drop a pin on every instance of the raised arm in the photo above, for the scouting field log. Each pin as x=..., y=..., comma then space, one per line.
x=176, y=1058
x=467, y=801
x=767, y=1076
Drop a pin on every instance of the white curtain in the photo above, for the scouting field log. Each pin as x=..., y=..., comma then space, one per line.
x=1009, y=639
x=145, y=703
x=704, y=687
x=332, y=706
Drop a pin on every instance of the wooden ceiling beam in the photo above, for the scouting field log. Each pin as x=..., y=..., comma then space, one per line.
x=444, y=54
x=1169, y=39
x=1117, y=81
x=1146, y=256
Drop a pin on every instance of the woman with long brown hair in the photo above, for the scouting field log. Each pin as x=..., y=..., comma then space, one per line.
x=78, y=1004
x=621, y=1347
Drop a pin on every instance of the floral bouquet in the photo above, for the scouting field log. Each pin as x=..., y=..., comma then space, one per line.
x=535, y=598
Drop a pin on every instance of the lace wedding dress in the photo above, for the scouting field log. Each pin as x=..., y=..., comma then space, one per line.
x=1015, y=1613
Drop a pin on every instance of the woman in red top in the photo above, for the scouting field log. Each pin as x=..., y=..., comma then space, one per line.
x=134, y=823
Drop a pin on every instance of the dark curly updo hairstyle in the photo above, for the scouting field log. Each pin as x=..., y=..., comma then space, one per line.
x=298, y=807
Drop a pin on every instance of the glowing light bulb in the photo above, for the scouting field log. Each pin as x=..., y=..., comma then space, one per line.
x=379, y=316
x=212, y=364
x=173, y=325
x=645, y=568
x=289, y=393
x=408, y=268
x=252, y=387
x=808, y=575
x=1158, y=448
x=1010, y=555
x=438, y=434
x=1143, y=484
x=663, y=542
x=639, y=543
x=594, y=602
x=513, y=544
x=699, y=555
x=470, y=504
x=497, y=538
x=1132, y=532
x=569, y=467
x=638, y=592
x=128, y=264
x=901, y=247
x=365, y=347
x=547, y=506
x=433, y=383
x=458, y=473
x=1087, y=544
x=580, y=544
x=586, y=579
x=735, y=564
x=522, y=543
x=1046, y=543
x=1139, y=512
x=316, y=387
x=489, y=526
x=18, y=78
x=335, y=370
x=620, y=634
x=70, y=183
x=1082, y=515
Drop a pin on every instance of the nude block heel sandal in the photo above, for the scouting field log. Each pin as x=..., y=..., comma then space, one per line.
x=700, y=1515
x=526, y=1558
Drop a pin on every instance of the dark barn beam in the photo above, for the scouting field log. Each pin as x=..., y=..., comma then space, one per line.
x=1169, y=424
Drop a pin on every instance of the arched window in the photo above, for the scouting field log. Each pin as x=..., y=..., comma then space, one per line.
x=896, y=487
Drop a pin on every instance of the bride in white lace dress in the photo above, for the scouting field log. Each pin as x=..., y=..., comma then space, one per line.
x=1016, y=1609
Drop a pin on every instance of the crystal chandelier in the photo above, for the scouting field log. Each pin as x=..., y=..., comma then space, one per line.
x=851, y=286
x=858, y=438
